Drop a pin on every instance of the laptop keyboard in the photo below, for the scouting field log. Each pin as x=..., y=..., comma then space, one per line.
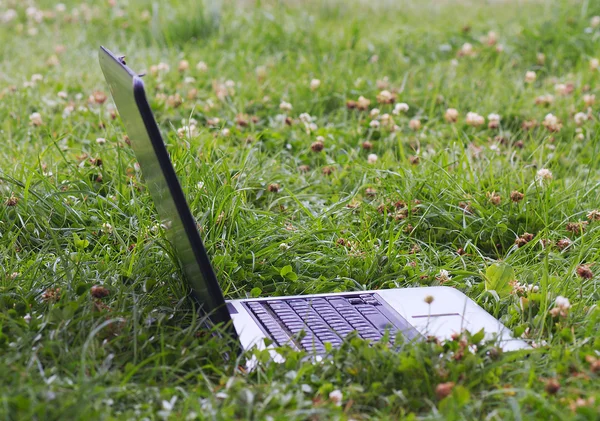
x=327, y=319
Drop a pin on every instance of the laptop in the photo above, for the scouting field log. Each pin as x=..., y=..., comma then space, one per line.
x=306, y=322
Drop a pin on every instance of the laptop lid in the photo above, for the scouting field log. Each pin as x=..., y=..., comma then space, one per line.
x=128, y=93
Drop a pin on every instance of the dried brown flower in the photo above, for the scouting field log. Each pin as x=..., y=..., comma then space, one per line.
x=273, y=188
x=594, y=215
x=174, y=100
x=12, y=201
x=415, y=249
x=466, y=207
x=584, y=272
x=96, y=161
x=99, y=97
x=524, y=239
x=442, y=390
x=317, y=146
x=98, y=291
x=366, y=145
x=494, y=198
x=328, y=170
x=552, y=386
x=576, y=228
x=516, y=196
x=51, y=295
x=342, y=242
x=563, y=243
x=241, y=120
x=371, y=192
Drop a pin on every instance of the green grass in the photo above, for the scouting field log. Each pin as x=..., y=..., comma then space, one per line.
x=74, y=213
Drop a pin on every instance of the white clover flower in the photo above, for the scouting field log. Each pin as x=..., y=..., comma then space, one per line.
x=201, y=66
x=374, y=113
x=414, y=124
x=386, y=119
x=162, y=67
x=68, y=111
x=474, y=119
x=374, y=124
x=467, y=49
x=100, y=141
x=589, y=99
x=190, y=130
x=385, y=96
x=551, y=123
x=305, y=118
x=562, y=302
x=9, y=15
x=494, y=117
x=545, y=99
x=261, y=72
x=544, y=174
x=363, y=103
x=580, y=118
x=595, y=21
x=183, y=66
x=336, y=397
x=400, y=108
x=550, y=119
x=530, y=76
x=285, y=106
x=372, y=158
x=36, y=119
x=34, y=14
x=443, y=276
x=314, y=84
x=451, y=115
x=561, y=89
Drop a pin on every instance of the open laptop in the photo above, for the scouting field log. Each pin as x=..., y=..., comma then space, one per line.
x=305, y=322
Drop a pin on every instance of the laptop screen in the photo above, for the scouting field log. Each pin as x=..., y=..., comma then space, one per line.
x=127, y=90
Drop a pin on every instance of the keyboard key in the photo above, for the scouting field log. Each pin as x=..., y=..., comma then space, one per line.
x=339, y=302
x=355, y=301
x=379, y=321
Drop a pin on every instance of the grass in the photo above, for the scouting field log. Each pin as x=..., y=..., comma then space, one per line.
x=74, y=213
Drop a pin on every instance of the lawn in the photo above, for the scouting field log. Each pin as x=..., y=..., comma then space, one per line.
x=323, y=147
